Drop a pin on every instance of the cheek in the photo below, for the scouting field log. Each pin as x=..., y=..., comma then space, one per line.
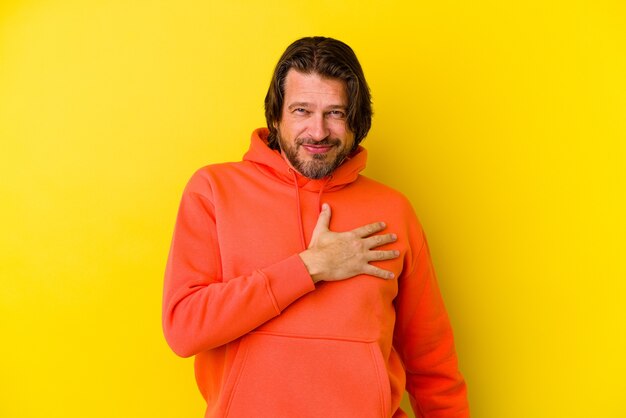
x=340, y=130
x=337, y=129
x=290, y=128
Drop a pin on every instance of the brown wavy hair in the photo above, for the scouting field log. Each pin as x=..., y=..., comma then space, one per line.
x=329, y=58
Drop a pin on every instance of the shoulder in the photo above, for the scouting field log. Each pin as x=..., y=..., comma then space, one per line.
x=206, y=178
x=393, y=204
x=387, y=195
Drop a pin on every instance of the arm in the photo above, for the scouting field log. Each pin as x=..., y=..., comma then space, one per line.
x=424, y=341
x=201, y=310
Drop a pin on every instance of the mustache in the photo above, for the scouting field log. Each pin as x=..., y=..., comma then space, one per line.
x=323, y=142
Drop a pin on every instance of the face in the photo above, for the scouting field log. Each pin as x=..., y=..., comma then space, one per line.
x=313, y=132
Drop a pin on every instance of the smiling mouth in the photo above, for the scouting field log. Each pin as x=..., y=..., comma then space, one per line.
x=317, y=149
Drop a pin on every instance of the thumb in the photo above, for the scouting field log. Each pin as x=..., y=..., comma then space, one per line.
x=323, y=222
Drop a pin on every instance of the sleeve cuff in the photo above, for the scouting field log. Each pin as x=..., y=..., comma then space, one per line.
x=288, y=280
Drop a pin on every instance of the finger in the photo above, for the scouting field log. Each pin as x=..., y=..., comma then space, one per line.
x=378, y=240
x=382, y=255
x=370, y=229
x=378, y=272
x=323, y=220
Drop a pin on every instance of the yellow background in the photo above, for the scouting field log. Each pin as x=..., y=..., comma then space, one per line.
x=503, y=122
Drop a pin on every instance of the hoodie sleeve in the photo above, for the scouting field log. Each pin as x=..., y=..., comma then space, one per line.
x=201, y=309
x=423, y=338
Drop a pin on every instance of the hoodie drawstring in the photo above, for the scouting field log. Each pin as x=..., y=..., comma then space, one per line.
x=319, y=195
x=300, y=221
x=299, y=208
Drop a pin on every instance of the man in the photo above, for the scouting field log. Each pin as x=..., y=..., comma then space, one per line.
x=303, y=288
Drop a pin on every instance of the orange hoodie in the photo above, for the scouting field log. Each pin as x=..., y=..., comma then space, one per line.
x=270, y=343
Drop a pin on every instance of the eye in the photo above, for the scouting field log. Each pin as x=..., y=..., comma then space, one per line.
x=300, y=111
x=337, y=114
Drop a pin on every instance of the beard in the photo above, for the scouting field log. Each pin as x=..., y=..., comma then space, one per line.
x=319, y=165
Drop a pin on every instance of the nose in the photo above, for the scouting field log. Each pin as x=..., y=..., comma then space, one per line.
x=318, y=127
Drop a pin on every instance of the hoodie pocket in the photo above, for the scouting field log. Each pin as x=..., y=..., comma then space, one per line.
x=283, y=376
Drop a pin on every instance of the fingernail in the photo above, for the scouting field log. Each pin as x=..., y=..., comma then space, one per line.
x=384, y=225
x=394, y=237
x=396, y=253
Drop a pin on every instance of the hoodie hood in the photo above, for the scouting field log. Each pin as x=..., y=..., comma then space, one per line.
x=272, y=164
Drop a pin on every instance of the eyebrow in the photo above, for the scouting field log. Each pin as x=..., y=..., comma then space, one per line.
x=298, y=104
x=306, y=104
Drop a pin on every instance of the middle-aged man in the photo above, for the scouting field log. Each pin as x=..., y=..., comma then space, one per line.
x=303, y=288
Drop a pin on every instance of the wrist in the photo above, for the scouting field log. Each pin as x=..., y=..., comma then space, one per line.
x=312, y=266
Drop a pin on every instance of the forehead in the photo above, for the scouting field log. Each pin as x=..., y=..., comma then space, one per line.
x=315, y=89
